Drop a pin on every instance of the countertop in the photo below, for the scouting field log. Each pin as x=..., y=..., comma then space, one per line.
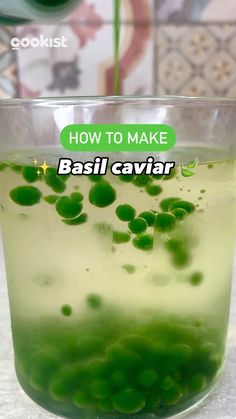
x=14, y=404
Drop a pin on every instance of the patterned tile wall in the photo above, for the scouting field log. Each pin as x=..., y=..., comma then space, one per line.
x=86, y=66
x=167, y=47
x=196, y=60
x=8, y=67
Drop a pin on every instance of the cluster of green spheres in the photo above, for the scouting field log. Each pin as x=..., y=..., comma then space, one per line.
x=121, y=368
x=141, y=228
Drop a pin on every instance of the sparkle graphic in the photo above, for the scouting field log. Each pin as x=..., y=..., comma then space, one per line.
x=44, y=167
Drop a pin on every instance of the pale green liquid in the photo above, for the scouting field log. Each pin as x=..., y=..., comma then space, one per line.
x=50, y=264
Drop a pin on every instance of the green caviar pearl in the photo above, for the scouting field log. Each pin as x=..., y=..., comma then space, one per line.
x=25, y=195
x=89, y=346
x=129, y=401
x=125, y=212
x=119, y=379
x=136, y=343
x=186, y=205
x=101, y=389
x=82, y=399
x=127, y=178
x=147, y=377
x=51, y=199
x=180, y=213
x=172, y=395
x=36, y=379
x=120, y=237
x=181, y=259
x=167, y=202
x=76, y=197
x=95, y=178
x=53, y=181
x=203, y=190
x=149, y=217
x=167, y=383
x=66, y=208
x=138, y=225
x=105, y=406
x=94, y=301
x=30, y=174
x=81, y=219
x=181, y=354
x=174, y=245
x=57, y=391
x=102, y=194
x=66, y=310
x=153, y=190
x=210, y=166
x=130, y=269
x=196, y=278
x=165, y=222
x=198, y=382
x=44, y=363
x=143, y=242
x=122, y=359
x=142, y=180
x=98, y=368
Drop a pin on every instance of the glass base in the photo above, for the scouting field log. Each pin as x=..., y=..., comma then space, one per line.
x=61, y=409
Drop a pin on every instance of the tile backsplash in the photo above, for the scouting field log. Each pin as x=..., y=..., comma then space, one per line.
x=184, y=47
x=196, y=60
x=8, y=65
x=195, y=11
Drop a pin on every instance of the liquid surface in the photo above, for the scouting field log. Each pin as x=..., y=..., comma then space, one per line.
x=116, y=283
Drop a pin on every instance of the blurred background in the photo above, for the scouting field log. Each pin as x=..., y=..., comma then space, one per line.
x=182, y=47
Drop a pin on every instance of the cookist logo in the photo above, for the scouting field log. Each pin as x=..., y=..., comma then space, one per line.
x=39, y=42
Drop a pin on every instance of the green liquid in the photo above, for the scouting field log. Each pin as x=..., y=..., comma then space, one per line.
x=115, y=292
x=117, y=47
x=71, y=367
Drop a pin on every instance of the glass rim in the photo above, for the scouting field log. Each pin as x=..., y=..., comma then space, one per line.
x=165, y=100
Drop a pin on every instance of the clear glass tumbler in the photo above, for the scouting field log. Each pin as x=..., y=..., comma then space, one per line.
x=119, y=286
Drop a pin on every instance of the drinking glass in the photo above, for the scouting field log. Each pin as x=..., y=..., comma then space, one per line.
x=119, y=286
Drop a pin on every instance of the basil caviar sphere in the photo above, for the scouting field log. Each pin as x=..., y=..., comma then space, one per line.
x=67, y=208
x=25, y=195
x=149, y=216
x=138, y=225
x=165, y=222
x=129, y=401
x=125, y=212
x=102, y=194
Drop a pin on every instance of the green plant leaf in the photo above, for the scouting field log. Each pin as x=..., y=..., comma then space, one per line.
x=192, y=164
x=186, y=172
